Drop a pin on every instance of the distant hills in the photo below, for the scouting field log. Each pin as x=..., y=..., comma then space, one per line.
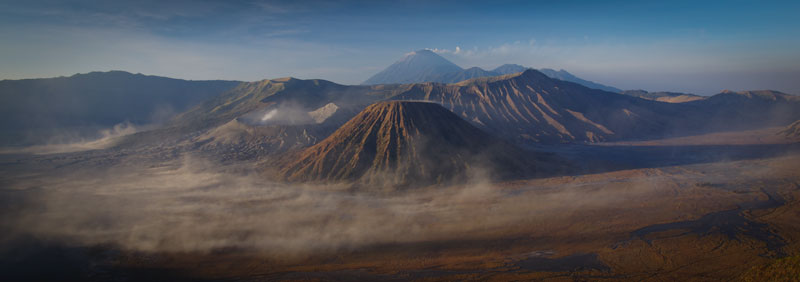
x=373, y=136
x=483, y=124
x=749, y=109
x=566, y=76
x=274, y=116
x=668, y=97
x=512, y=102
x=532, y=107
x=57, y=109
x=523, y=108
x=269, y=117
x=427, y=66
x=401, y=143
x=526, y=107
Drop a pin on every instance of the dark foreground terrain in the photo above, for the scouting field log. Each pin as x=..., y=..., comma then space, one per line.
x=693, y=208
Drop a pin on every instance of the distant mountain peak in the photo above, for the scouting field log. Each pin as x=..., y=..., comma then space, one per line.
x=427, y=66
x=424, y=51
x=414, y=67
x=284, y=79
x=512, y=65
x=533, y=72
x=566, y=76
x=509, y=68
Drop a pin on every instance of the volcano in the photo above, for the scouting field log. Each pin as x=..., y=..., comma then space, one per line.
x=416, y=66
x=403, y=143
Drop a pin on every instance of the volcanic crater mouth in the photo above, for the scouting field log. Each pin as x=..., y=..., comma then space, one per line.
x=289, y=114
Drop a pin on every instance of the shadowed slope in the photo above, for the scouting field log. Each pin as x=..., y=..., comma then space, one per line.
x=260, y=95
x=750, y=109
x=566, y=76
x=525, y=108
x=241, y=111
x=509, y=69
x=530, y=106
x=65, y=109
x=403, y=143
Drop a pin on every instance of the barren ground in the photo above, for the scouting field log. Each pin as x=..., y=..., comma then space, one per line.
x=720, y=211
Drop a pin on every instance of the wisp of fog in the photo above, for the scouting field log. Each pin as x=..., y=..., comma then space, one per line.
x=196, y=205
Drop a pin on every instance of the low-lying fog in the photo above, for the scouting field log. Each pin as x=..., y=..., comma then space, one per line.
x=191, y=204
x=67, y=143
x=195, y=205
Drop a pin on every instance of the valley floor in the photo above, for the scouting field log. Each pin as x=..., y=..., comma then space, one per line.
x=642, y=212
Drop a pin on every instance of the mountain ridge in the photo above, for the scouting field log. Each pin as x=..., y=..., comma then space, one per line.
x=525, y=108
x=400, y=143
x=531, y=107
x=528, y=106
x=442, y=70
x=664, y=96
x=43, y=110
x=566, y=76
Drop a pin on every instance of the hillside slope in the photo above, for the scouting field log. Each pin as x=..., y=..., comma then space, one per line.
x=748, y=109
x=566, y=76
x=274, y=116
x=265, y=117
x=403, y=143
x=531, y=107
x=41, y=110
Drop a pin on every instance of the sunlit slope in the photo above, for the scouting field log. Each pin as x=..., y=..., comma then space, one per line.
x=531, y=107
x=233, y=120
x=404, y=143
x=523, y=108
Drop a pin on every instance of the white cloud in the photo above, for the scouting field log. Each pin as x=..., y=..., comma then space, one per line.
x=456, y=51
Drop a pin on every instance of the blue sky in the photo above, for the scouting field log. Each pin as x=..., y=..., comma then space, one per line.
x=689, y=46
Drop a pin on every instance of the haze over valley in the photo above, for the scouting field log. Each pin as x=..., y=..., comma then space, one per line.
x=401, y=161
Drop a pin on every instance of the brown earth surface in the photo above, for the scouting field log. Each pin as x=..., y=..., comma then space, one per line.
x=592, y=237
x=709, y=219
x=402, y=143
